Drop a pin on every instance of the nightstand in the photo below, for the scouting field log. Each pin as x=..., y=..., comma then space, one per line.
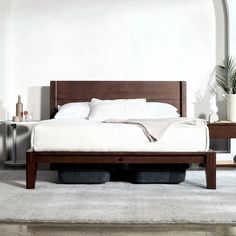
x=223, y=130
x=18, y=136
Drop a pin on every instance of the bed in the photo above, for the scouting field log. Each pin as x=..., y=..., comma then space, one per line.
x=172, y=92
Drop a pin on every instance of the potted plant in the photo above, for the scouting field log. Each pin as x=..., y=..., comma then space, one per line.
x=225, y=77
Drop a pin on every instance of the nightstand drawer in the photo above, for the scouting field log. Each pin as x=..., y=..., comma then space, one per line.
x=222, y=130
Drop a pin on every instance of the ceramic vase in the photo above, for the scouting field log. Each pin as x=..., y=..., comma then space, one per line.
x=231, y=107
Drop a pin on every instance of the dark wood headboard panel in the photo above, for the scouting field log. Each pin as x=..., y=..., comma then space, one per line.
x=172, y=92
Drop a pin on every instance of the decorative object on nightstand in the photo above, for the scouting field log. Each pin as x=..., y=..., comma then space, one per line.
x=208, y=91
x=214, y=109
x=16, y=119
x=19, y=109
x=27, y=116
x=13, y=151
x=225, y=76
x=231, y=107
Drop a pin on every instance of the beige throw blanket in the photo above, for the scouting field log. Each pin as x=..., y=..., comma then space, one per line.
x=153, y=129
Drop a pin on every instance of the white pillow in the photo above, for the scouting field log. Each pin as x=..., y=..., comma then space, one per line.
x=160, y=110
x=74, y=110
x=117, y=109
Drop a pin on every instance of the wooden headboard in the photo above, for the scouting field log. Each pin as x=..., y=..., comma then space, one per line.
x=172, y=92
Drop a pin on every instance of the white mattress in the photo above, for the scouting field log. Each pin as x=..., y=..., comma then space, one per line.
x=85, y=135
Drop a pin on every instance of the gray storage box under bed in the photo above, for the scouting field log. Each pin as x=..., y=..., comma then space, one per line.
x=140, y=174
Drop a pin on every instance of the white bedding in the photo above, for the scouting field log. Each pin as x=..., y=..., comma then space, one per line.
x=87, y=135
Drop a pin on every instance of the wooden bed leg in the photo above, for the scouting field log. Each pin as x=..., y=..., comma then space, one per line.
x=31, y=170
x=211, y=170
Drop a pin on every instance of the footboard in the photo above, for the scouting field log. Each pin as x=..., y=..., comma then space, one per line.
x=208, y=159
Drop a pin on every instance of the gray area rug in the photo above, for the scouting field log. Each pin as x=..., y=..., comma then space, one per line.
x=117, y=202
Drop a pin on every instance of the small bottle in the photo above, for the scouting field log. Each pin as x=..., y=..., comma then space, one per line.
x=19, y=108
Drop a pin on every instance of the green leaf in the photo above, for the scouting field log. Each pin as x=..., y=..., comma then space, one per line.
x=225, y=75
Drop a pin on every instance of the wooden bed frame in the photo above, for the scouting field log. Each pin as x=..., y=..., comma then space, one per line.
x=172, y=92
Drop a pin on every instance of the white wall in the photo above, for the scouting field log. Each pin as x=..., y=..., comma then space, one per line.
x=232, y=30
x=3, y=22
x=106, y=40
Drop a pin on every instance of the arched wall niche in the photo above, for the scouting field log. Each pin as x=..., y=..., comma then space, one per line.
x=227, y=27
x=222, y=29
x=222, y=45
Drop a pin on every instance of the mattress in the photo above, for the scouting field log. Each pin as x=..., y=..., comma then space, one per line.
x=86, y=135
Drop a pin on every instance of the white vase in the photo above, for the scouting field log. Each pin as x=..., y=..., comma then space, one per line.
x=231, y=107
x=213, y=110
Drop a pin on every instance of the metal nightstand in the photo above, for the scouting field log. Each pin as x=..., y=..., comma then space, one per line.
x=13, y=127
